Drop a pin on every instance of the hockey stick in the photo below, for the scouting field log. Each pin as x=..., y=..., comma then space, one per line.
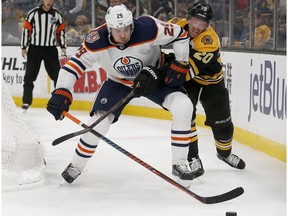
x=206, y=200
x=88, y=128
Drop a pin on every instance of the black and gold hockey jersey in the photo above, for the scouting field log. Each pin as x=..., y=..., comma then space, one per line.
x=204, y=56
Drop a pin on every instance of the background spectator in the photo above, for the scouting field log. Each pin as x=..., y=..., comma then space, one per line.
x=244, y=37
x=220, y=18
x=116, y=2
x=241, y=5
x=263, y=7
x=100, y=18
x=163, y=10
x=72, y=8
x=182, y=9
x=262, y=32
x=77, y=34
x=101, y=5
x=131, y=5
x=282, y=27
x=10, y=26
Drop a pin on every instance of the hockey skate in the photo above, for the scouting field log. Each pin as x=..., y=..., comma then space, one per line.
x=196, y=167
x=25, y=107
x=70, y=173
x=182, y=173
x=233, y=160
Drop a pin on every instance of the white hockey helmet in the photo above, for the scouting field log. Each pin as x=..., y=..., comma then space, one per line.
x=119, y=16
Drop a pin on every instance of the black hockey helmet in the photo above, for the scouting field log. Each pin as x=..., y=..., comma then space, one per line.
x=202, y=11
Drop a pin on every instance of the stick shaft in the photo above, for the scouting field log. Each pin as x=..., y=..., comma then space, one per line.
x=88, y=128
x=206, y=200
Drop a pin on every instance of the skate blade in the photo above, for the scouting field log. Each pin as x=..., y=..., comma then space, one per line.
x=184, y=183
x=200, y=179
x=63, y=183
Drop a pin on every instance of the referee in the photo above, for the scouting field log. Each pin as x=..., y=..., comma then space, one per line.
x=42, y=30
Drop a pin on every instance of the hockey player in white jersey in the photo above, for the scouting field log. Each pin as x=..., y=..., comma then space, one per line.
x=129, y=51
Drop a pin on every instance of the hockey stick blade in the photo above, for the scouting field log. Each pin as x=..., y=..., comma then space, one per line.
x=223, y=197
x=88, y=128
x=206, y=200
x=68, y=136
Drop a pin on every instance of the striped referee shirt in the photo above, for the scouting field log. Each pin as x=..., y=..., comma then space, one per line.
x=43, y=28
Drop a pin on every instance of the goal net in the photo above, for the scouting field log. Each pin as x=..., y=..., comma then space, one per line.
x=22, y=154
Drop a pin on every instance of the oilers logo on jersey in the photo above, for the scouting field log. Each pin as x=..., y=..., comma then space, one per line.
x=128, y=66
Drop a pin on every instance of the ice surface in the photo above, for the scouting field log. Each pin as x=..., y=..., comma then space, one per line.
x=116, y=185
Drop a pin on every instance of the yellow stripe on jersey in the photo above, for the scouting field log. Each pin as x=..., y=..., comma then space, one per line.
x=178, y=21
x=206, y=80
x=194, y=67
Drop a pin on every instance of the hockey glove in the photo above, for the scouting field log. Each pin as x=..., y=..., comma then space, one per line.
x=60, y=101
x=168, y=58
x=176, y=74
x=146, y=81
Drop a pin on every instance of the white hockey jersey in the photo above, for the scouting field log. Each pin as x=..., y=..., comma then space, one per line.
x=123, y=63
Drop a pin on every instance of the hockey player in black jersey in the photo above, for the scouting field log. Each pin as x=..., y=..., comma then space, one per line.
x=205, y=82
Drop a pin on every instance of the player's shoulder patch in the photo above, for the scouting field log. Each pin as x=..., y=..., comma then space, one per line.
x=207, y=39
x=92, y=37
x=97, y=39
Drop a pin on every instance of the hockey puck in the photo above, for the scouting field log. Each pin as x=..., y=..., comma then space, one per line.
x=231, y=213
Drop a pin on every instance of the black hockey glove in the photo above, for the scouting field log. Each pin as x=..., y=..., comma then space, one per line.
x=176, y=74
x=146, y=81
x=168, y=58
x=60, y=101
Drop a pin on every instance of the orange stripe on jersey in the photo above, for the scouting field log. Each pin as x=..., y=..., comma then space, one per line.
x=27, y=25
x=98, y=49
x=61, y=27
x=184, y=34
x=180, y=138
x=79, y=71
x=179, y=69
x=101, y=26
x=126, y=82
x=85, y=150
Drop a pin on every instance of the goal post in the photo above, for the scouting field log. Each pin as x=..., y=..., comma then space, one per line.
x=22, y=156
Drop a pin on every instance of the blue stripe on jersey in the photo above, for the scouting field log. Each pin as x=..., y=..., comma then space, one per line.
x=78, y=63
x=82, y=155
x=87, y=145
x=70, y=71
x=180, y=132
x=179, y=145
